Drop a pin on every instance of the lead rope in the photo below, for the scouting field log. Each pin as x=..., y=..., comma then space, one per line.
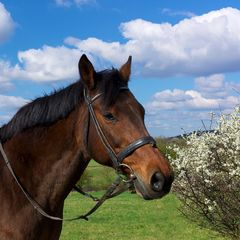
x=79, y=190
x=108, y=194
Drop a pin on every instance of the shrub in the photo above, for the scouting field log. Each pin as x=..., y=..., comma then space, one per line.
x=208, y=176
x=164, y=143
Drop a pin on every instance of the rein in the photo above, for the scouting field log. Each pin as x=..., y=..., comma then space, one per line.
x=116, y=158
x=108, y=194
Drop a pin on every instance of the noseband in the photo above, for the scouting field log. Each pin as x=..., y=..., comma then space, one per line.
x=117, y=158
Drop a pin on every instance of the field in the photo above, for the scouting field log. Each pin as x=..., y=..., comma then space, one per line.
x=130, y=217
x=127, y=216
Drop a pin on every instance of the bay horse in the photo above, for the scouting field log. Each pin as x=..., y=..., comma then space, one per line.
x=50, y=141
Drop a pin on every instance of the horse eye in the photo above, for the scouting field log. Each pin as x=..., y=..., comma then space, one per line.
x=108, y=116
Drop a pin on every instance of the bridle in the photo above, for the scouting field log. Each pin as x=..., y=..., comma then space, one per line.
x=116, y=158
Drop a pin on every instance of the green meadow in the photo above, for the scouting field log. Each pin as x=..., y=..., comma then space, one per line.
x=128, y=216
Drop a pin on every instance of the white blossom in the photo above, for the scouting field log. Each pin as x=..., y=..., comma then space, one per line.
x=207, y=171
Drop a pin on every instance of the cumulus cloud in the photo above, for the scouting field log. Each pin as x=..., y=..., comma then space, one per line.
x=11, y=102
x=198, y=46
x=7, y=24
x=7, y=72
x=191, y=99
x=49, y=63
x=176, y=109
x=215, y=86
x=210, y=93
x=8, y=106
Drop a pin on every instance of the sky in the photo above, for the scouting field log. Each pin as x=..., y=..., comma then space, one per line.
x=186, y=54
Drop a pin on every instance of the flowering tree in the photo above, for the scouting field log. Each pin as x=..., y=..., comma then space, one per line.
x=208, y=176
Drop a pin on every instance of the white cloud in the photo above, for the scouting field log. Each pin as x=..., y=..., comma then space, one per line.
x=7, y=72
x=189, y=100
x=7, y=24
x=11, y=102
x=8, y=106
x=46, y=64
x=173, y=110
x=201, y=45
x=49, y=64
x=112, y=52
x=215, y=86
x=210, y=93
x=176, y=109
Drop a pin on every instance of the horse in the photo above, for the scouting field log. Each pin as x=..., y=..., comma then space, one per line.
x=50, y=141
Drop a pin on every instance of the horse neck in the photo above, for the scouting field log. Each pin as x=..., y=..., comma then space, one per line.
x=49, y=160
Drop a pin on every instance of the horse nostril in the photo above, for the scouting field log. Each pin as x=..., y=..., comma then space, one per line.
x=157, y=181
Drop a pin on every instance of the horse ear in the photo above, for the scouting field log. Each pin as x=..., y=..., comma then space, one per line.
x=125, y=69
x=86, y=71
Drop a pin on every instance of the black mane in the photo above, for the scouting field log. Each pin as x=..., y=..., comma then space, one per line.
x=48, y=109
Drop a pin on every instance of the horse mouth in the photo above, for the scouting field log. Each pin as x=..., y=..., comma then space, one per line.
x=145, y=191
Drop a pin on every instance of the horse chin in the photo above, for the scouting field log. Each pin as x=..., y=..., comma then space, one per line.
x=144, y=191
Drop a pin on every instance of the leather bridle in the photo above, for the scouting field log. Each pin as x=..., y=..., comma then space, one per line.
x=117, y=160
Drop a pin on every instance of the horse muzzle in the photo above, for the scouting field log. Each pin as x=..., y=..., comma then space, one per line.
x=158, y=186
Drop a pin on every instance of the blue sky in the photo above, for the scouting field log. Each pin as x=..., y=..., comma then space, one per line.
x=186, y=54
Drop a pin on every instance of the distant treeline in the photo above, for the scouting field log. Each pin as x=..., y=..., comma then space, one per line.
x=199, y=133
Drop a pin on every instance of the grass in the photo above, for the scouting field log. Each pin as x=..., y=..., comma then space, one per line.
x=130, y=217
x=96, y=177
